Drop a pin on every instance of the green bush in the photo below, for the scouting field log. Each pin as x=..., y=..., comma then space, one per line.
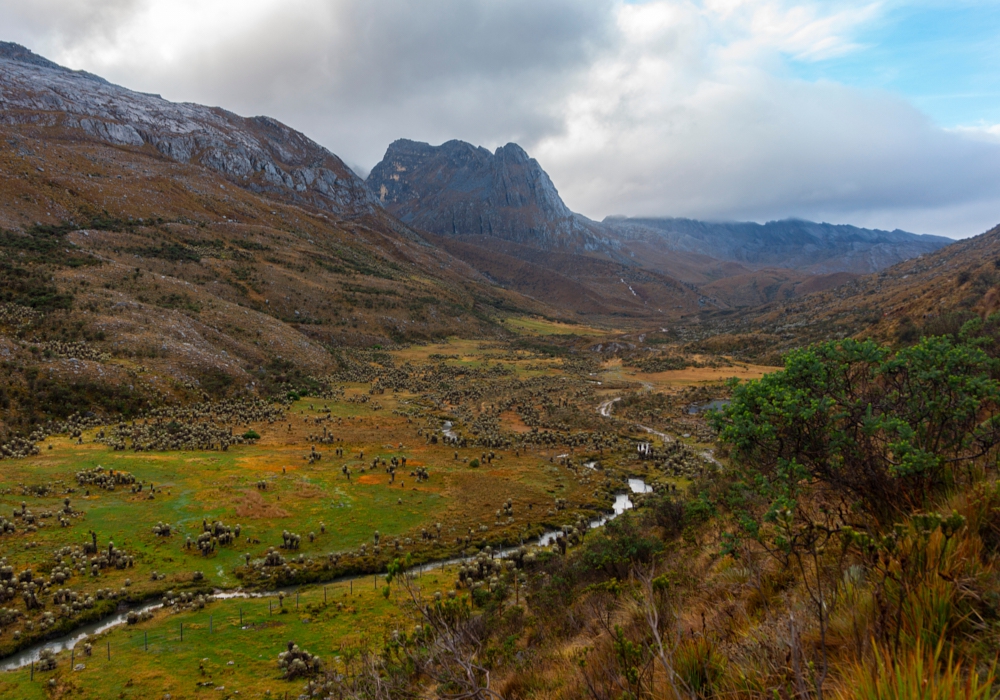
x=619, y=546
x=887, y=430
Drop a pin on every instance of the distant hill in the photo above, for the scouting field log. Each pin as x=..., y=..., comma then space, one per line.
x=792, y=243
x=931, y=295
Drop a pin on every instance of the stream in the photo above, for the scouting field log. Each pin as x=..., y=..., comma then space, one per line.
x=71, y=639
x=80, y=634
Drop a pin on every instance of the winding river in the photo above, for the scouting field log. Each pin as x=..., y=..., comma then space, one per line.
x=80, y=634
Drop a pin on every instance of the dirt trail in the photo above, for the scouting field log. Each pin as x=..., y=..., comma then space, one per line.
x=604, y=409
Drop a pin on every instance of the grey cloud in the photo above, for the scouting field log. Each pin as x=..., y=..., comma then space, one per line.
x=51, y=25
x=768, y=149
x=357, y=75
x=701, y=137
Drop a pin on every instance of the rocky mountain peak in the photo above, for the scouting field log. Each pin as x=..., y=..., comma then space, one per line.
x=15, y=52
x=460, y=189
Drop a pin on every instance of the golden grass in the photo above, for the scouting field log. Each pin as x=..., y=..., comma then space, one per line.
x=252, y=506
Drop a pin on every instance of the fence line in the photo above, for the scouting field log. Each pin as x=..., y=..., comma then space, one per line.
x=249, y=612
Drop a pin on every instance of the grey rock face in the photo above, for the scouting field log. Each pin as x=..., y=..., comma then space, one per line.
x=459, y=189
x=258, y=153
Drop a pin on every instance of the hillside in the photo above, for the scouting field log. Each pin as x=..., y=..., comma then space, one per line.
x=152, y=251
x=930, y=295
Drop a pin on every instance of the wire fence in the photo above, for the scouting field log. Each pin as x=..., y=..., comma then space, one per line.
x=223, y=617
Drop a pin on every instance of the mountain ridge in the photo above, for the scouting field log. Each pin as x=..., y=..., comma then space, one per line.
x=458, y=189
x=800, y=244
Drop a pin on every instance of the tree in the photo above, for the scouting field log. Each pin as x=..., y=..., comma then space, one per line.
x=883, y=430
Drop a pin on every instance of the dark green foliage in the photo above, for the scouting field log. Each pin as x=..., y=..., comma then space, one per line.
x=281, y=377
x=907, y=333
x=949, y=324
x=884, y=430
x=59, y=400
x=171, y=251
x=619, y=546
x=215, y=382
x=27, y=261
x=549, y=345
x=182, y=302
x=667, y=513
x=29, y=398
x=660, y=363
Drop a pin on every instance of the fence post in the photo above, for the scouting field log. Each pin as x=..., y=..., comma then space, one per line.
x=241, y=616
x=72, y=658
x=32, y=670
x=145, y=640
x=324, y=595
x=182, y=631
x=296, y=600
x=109, y=651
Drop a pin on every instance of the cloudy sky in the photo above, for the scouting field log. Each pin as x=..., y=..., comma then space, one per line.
x=883, y=113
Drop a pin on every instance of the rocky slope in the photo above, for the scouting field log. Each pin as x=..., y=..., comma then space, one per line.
x=257, y=153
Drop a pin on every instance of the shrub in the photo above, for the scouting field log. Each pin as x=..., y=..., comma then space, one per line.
x=886, y=429
x=619, y=547
x=918, y=675
x=700, y=666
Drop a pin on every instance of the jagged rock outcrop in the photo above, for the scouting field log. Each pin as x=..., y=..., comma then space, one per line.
x=258, y=153
x=457, y=189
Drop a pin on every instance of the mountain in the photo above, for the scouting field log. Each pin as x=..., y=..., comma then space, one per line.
x=459, y=190
x=930, y=295
x=500, y=213
x=258, y=153
x=792, y=243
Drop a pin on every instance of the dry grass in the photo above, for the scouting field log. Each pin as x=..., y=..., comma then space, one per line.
x=253, y=506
